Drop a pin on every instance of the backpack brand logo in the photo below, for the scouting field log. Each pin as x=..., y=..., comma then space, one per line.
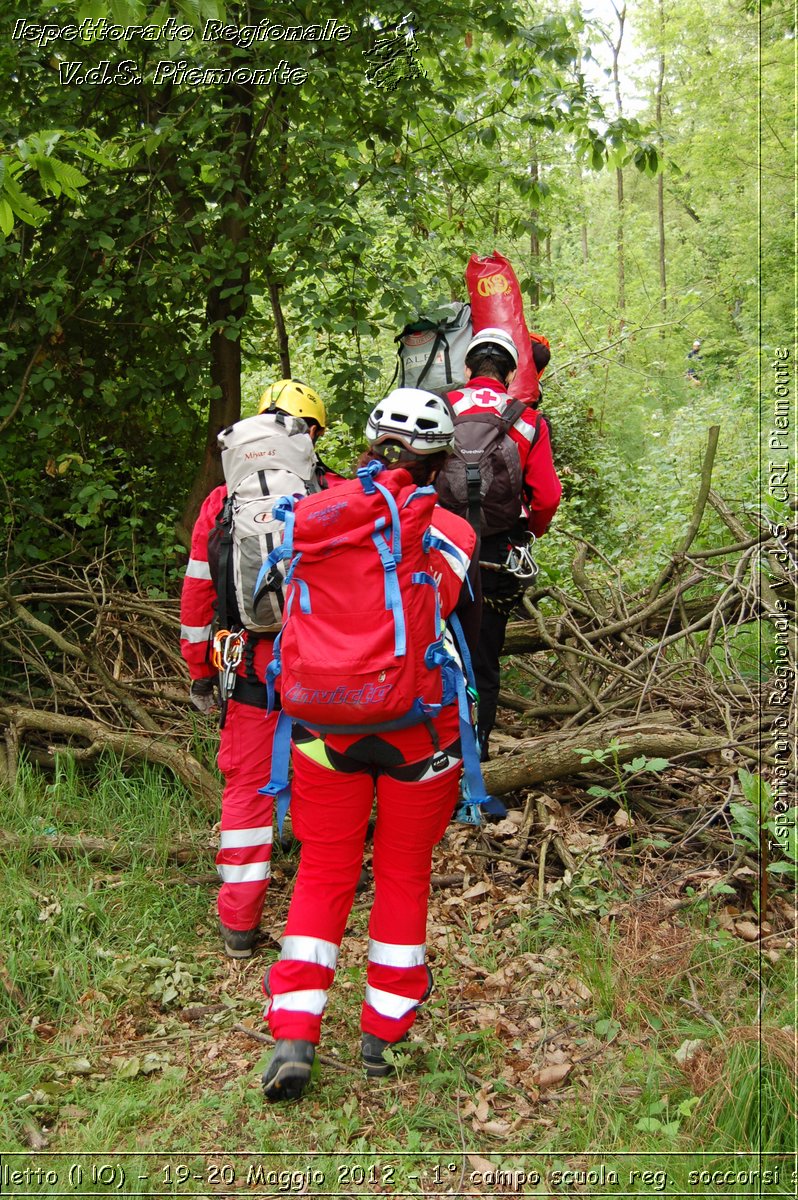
x=250, y=454
x=367, y=694
x=326, y=516
x=494, y=285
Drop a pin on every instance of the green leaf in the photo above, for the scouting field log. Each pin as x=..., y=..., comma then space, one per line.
x=6, y=217
x=648, y=1125
x=784, y=868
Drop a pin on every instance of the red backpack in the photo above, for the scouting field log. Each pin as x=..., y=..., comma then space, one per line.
x=361, y=648
x=361, y=637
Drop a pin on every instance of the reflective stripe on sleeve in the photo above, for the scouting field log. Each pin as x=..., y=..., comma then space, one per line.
x=388, y=1004
x=260, y=835
x=457, y=561
x=309, y=949
x=247, y=873
x=388, y=954
x=483, y=400
x=195, y=633
x=313, y=1000
x=525, y=429
x=198, y=569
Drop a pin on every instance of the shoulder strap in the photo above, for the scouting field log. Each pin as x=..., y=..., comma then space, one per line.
x=439, y=337
x=224, y=523
x=512, y=412
x=518, y=412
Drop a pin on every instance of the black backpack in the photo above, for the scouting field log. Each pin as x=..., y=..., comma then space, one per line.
x=482, y=479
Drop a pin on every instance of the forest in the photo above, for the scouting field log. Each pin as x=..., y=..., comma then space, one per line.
x=198, y=199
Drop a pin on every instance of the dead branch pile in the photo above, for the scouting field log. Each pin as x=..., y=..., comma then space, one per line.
x=665, y=672
x=90, y=666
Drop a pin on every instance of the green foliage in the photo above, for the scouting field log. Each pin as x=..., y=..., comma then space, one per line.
x=147, y=235
x=753, y=1105
x=755, y=820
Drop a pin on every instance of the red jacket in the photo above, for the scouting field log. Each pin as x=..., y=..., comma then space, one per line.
x=542, y=488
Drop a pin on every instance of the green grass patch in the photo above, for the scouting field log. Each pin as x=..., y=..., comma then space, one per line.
x=550, y=1044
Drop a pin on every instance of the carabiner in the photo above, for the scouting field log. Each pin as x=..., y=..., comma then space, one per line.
x=519, y=561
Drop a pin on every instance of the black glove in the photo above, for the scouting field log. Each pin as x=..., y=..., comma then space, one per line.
x=204, y=694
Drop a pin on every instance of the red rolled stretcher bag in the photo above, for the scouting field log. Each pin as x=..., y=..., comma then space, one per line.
x=496, y=301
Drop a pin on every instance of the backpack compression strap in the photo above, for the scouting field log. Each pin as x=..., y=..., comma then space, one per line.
x=390, y=555
x=473, y=786
x=278, y=786
x=472, y=773
x=224, y=522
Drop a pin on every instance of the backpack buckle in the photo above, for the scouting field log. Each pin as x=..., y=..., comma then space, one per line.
x=467, y=813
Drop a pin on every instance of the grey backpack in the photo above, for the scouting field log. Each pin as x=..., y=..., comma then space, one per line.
x=263, y=458
x=432, y=349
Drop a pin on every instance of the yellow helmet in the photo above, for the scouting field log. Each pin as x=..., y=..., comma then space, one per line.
x=295, y=398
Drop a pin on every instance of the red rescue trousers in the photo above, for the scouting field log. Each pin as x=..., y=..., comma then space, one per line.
x=245, y=844
x=330, y=810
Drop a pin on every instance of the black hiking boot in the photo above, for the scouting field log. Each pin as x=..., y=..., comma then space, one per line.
x=238, y=943
x=288, y=1070
x=371, y=1051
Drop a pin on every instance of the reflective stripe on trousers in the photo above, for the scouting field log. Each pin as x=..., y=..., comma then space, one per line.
x=330, y=813
x=245, y=841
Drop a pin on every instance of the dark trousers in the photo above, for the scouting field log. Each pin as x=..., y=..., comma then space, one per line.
x=500, y=594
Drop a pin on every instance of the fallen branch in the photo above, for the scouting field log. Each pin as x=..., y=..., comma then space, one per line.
x=557, y=755
x=98, y=848
x=123, y=742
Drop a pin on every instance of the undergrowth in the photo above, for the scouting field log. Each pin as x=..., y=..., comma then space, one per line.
x=669, y=1044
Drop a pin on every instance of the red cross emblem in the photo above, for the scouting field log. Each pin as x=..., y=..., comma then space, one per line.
x=485, y=397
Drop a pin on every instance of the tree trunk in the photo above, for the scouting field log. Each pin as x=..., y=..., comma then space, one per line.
x=620, y=250
x=619, y=234
x=159, y=750
x=282, y=332
x=534, y=236
x=663, y=281
x=227, y=302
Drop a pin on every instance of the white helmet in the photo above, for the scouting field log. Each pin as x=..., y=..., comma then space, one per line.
x=496, y=337
x=420, y=421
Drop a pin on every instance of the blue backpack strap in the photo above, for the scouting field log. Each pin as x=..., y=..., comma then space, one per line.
x=396, y=528
x=475, y=798
x=472, y=772
x=393, y=594
x=283, y=511
x=278, y=785
x=366, y=475
x=420, y=493
x=390, y=555
x=273, y=669
x=453, y=621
